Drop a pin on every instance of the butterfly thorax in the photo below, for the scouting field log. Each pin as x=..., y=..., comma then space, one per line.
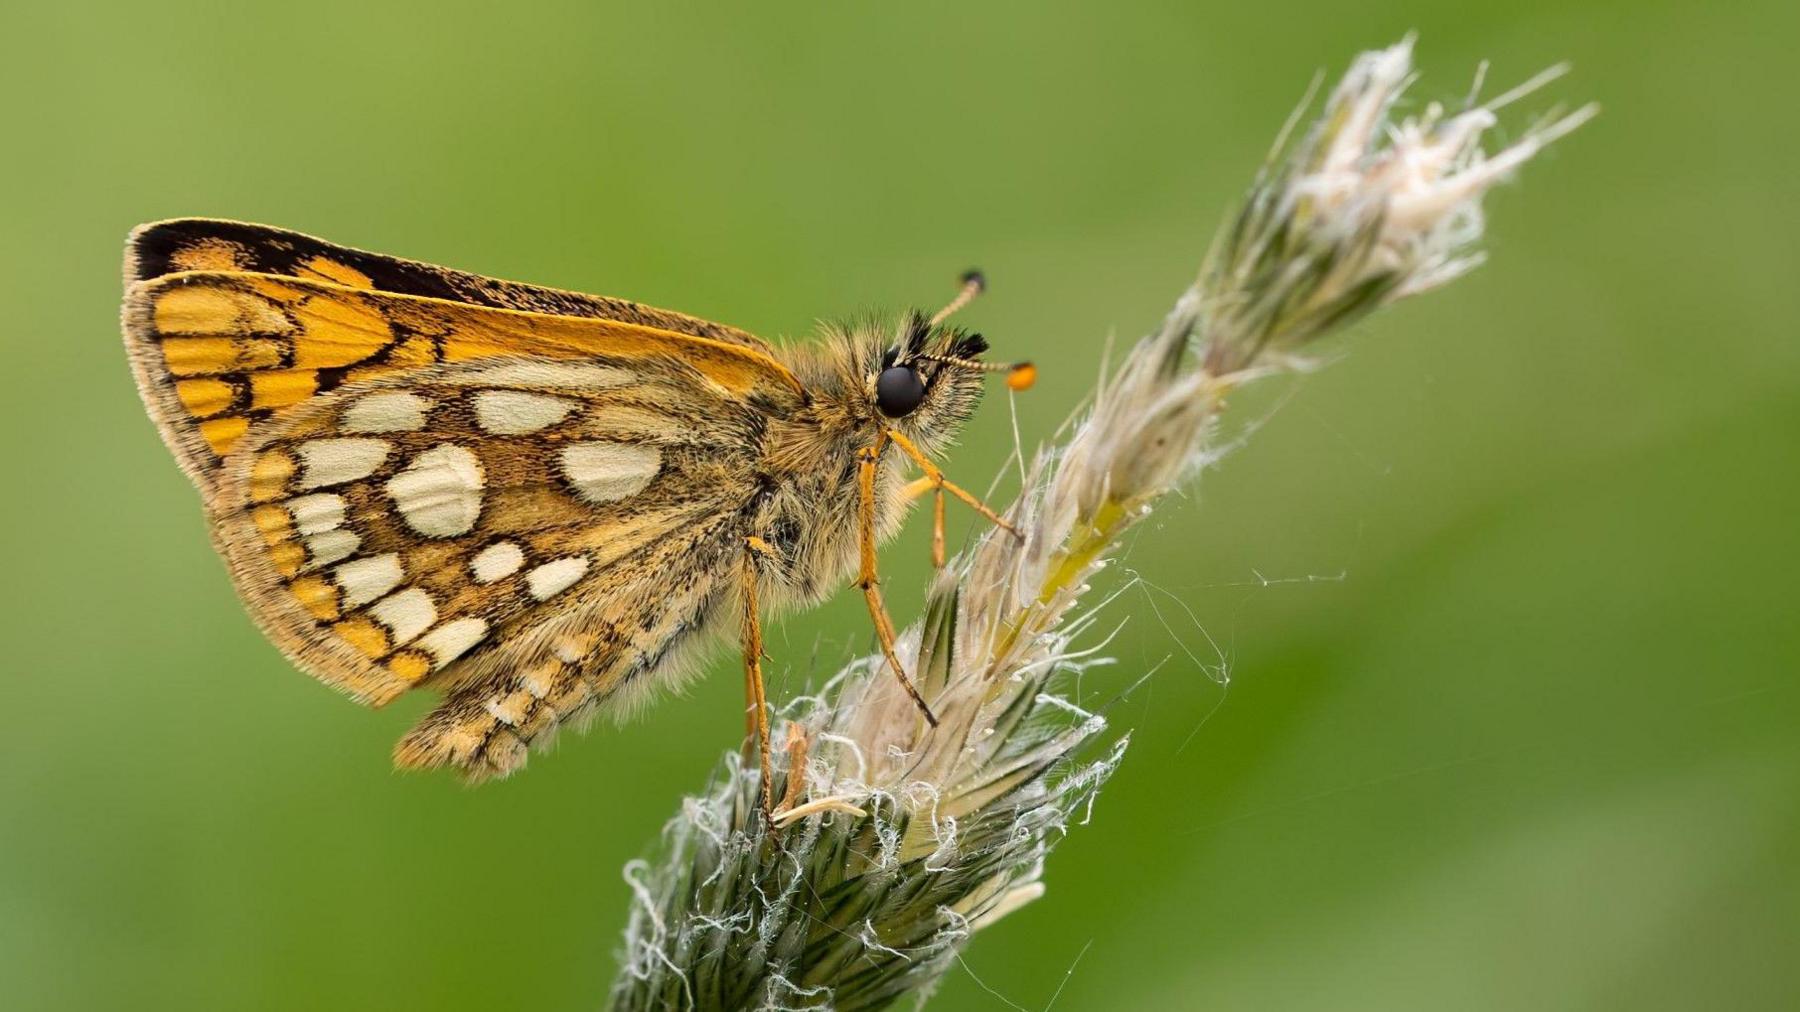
x=810, y=455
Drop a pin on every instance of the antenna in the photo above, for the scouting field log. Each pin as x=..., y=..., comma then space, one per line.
x=973, y=283
x=1019, y=375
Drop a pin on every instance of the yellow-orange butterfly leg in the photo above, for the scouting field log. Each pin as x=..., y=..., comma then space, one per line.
x=756, y=701
x=868, y=459
x=918, y=487
x=934, y=477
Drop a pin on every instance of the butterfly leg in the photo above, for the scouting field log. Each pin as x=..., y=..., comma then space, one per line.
x=868, y=459
x=935, y=482
x=918, y=487
x=756, y=699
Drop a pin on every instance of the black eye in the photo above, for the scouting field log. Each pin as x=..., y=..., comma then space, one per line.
x=898, y=391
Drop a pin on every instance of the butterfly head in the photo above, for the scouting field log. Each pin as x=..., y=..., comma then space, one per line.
x=929, y=377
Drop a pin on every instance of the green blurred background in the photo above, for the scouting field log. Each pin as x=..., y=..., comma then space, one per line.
x=1507, y=593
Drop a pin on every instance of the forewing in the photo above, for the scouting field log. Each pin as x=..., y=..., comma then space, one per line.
x=471, y=518
x=216, y=352
x=211, y=244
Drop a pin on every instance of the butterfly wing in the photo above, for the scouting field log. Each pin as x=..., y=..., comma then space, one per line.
x=211, y=244
x=535, y=537
x=216, y=352
x=517, y=495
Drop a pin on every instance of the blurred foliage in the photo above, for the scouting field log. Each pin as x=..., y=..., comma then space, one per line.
x=1506, y=593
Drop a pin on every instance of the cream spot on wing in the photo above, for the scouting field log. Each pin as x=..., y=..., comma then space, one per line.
x=555, y=576
x=567, y=375
x=439, y=493
x=496, y=562
x=335, y=461
x=326, y=547
x=364, y=580
x=406, y=614
x=508, y=711
x=387, y=411
x=451, y=640
x=516, y=412
x=316, y=514
x=567, y=650
x=604, y=472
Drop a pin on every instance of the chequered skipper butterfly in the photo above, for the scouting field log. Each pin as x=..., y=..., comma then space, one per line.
x=537, y=502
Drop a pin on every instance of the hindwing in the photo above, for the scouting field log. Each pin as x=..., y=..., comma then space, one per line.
x=442, y=525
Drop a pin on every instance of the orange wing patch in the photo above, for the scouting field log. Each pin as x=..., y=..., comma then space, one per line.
x=326, y=269
x=217, y=351
x=210, y=253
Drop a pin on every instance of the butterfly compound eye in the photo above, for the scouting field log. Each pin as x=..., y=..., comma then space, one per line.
x=899, y=391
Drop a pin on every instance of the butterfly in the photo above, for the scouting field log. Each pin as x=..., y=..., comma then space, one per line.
x=538, y=503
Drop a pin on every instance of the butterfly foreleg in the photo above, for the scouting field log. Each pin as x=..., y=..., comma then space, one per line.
x=934, y=481
x=868, y=461
x=918, y=487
